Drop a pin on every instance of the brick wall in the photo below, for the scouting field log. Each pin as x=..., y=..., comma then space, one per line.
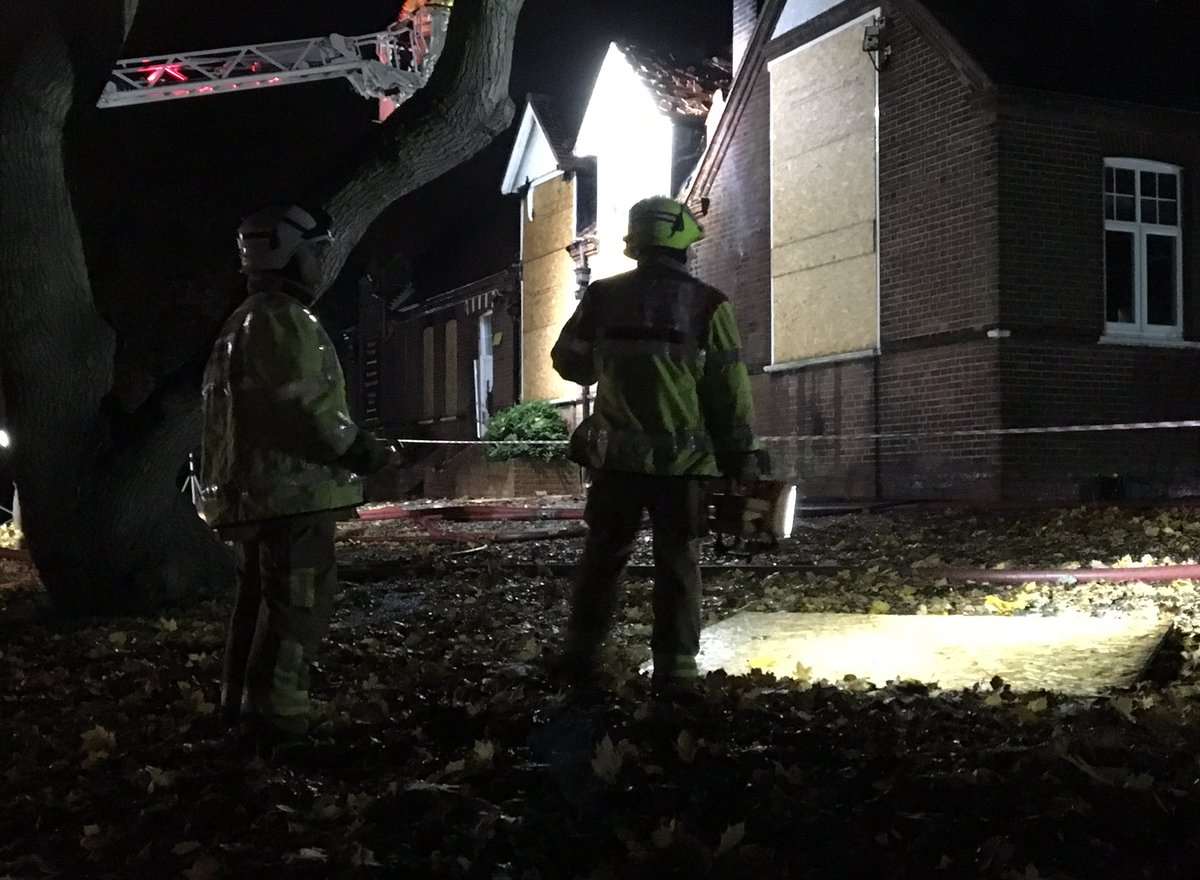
x=939, y=264
x=736, y=255
x=745, y=17
x=990, y=216
x=1054, y=372
x=939, y=276
x=470, y=475
x=1056, y=383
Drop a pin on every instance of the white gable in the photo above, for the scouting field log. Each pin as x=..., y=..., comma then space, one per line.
x=797, y=12
x=632, y=142
x=532, y=156
x=619, y=106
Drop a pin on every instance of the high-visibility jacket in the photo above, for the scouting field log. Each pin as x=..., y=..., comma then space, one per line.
x=673, y=395
x=275, y=416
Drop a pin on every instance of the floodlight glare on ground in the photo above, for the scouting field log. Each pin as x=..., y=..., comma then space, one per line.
x=1070, y=653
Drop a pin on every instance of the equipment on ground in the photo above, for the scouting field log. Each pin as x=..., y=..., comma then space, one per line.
x=756, y=514
x=390, y=65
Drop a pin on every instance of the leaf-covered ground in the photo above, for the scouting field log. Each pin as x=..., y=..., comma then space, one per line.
x=451, y=756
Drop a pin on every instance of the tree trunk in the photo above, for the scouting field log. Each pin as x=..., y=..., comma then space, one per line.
x=105, y=524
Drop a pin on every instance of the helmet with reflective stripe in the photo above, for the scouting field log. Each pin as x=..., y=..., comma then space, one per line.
x=269, y=239
x=661, y=222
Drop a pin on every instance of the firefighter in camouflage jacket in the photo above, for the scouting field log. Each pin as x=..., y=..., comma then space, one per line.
x=281, y=460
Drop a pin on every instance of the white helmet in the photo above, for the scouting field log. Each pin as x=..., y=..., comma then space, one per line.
x=268, y=239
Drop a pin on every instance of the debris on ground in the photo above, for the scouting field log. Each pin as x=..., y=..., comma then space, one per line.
x=445, y=752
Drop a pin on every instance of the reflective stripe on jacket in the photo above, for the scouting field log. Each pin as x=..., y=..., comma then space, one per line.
x=673, y=397
x=275, y=417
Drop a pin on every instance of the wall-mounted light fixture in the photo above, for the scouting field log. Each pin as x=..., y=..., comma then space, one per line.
x=877, y=42
x=583, y=277
x=580, y=249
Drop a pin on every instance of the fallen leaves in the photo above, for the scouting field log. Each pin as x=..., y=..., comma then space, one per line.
x=448, y=777
x=686, y=746
x=607, y=761
x=159, y=779
x=204, y=868
x=307, y=854
x=98, y=745
x=731, y=838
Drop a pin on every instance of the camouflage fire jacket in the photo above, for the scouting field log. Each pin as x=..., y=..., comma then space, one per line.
x=275, y=416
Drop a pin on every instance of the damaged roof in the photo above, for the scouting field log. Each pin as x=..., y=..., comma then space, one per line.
x=680, y=90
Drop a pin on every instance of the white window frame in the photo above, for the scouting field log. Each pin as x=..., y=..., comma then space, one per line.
x=1138, y=329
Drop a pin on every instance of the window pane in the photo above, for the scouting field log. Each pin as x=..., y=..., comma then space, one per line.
x=1109, y=180
x=1125, y=181
x=1166, y=186
x=1168, y=214
x=1149, y=211
x=1110, y=208
x=1148, y=183
x=1118, y=277
x=1126, y=208
x=1160, y=279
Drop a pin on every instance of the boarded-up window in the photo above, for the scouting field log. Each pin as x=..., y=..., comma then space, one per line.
x=428, y=372
x=548, y=288
x=451, y=372
x=824, y=267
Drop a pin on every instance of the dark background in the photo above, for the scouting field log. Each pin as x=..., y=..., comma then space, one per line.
x=160, y=186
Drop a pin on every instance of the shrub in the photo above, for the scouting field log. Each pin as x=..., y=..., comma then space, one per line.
x=532, y=420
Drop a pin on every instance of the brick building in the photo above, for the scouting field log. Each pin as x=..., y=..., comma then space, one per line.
x=642, y=133
x=442, y=365
x=433, y=347
x=988, y=231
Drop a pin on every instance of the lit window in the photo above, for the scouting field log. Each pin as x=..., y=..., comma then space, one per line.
x=1143, y=254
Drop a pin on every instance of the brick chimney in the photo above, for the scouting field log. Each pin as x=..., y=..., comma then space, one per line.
x=745, y=17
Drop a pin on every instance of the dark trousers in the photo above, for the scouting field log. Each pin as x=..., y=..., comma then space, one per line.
x=615, y=505
x=287, y=580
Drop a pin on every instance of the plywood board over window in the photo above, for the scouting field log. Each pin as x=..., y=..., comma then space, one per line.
x=548, y=295
x=428, y=371
x=824, y=260
x=451, y=373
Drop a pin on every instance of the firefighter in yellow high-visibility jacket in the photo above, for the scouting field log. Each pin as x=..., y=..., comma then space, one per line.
x=673, y=406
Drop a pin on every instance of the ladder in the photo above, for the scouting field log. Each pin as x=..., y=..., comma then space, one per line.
x=390, y=65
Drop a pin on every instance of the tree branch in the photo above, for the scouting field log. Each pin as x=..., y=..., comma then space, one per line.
x=463, y=108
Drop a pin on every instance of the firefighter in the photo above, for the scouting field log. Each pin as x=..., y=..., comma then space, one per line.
x=672, y=408
x=281, y=463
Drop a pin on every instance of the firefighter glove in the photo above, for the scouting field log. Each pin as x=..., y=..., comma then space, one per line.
x=367, y=454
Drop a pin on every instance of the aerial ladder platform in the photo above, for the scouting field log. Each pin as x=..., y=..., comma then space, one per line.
x=390, y=65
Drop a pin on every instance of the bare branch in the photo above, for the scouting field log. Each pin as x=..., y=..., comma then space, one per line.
x=464, y=107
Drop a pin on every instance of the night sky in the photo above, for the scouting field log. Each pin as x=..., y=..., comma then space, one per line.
x=189, y=169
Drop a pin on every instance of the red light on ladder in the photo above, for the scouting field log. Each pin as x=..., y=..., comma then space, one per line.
x=158, y=71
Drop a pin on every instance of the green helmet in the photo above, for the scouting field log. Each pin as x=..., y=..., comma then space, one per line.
x=661, y=222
